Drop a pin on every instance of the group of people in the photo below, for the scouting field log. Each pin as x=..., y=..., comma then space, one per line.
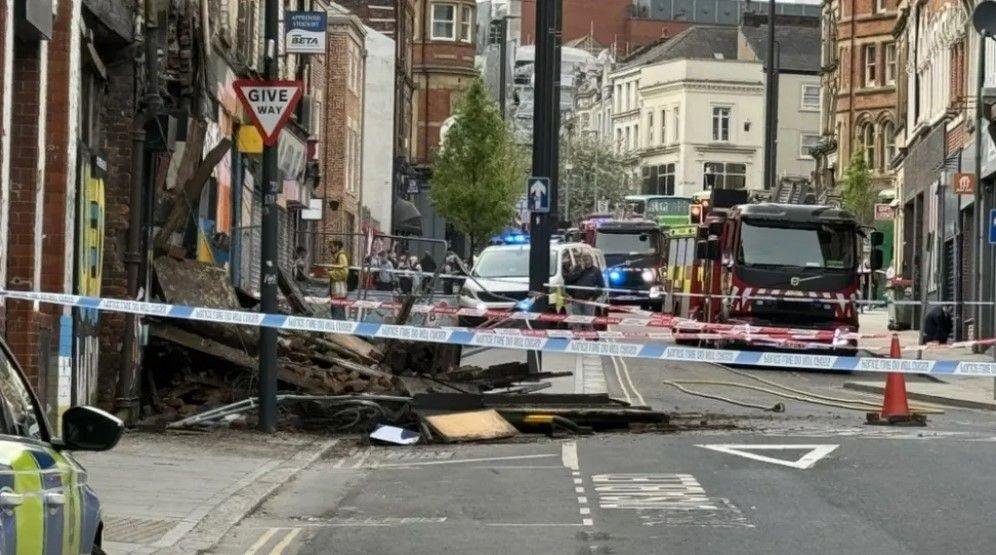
x=408, y=273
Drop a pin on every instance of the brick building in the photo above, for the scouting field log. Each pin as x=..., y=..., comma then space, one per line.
x=860, y=74
x=341, y=130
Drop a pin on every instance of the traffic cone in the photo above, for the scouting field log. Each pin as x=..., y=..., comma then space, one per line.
x=895, y=407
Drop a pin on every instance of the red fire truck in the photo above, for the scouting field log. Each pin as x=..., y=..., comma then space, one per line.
x=775, y=265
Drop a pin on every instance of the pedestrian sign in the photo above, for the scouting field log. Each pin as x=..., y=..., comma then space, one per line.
x=269, y=103
x=538, y=194
x=992, y=226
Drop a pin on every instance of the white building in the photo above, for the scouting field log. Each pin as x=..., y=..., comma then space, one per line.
x=378, y=122
x=688, y=112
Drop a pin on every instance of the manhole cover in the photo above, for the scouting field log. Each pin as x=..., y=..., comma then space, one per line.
x=135, y=530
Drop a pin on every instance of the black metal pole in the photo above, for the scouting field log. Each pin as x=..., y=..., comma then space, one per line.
x=770, y=102
x=503, y=63
x=268, y=258
x=544, y=152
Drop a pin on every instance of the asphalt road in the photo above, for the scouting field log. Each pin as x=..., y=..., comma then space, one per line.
x=840, y=486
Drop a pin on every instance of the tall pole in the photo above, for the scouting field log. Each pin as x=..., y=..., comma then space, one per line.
x=268, y=258
x=544, y=152
x=503, y=63
x=770, y=102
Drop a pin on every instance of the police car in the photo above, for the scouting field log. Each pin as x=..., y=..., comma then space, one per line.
x=46, y=505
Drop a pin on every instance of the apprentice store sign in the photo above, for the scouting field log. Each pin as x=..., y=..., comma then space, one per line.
x=304, y=32
x=269, y=103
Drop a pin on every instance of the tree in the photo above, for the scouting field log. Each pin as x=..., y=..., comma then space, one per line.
x=590, y=171
x=478, y=172
x=858, y=194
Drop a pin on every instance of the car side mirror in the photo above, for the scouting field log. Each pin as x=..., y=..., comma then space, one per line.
x=90, y=429
x=713, y=252
x=876, y=259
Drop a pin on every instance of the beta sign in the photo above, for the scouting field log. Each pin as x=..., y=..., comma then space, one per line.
x=269, y=103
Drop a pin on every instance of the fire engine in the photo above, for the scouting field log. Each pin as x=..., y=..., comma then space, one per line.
x=773, y=265
x=634, y=258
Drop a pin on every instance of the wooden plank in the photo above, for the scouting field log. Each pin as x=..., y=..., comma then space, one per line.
x=471, y=426
x=188, y=196
x=201, y=344
x=293, y=293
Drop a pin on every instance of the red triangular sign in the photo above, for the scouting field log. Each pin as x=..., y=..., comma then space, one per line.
x=269, y=103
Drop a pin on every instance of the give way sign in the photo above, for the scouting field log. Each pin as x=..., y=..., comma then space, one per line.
x=269, y=103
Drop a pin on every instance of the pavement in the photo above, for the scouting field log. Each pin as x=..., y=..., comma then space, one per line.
x=179, y=493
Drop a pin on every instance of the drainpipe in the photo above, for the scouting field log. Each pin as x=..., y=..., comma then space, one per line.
x=127, y=402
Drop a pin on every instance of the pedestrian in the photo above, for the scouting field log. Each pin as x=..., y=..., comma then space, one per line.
x=937, y=325
x=452, y=267
x=417, y=278
x=588, y=283
x=404, y=273
x=338, y=274
x=385, y=272
x=429, y=267
x=300, y=264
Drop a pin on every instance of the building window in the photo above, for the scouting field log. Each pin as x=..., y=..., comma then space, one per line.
x=879, y=6
x=650, y=128
x=888, y=143
x=677, y=126
x=724, y=175
x=618, y=98
x=810, y=97
x=890, y=63
x=720, y=123
x=665, y=179
x=806, y=142
x=664, y=127
x=443, y=22
x=871, y=64
x=636, y=136
x=626, y=145
x=868, y=142
x=619, y=140
x=629, y=96
x=467, y=24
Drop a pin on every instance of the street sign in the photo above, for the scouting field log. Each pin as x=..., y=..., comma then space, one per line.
x=269, y=103
x=964, y=184
x=538, y=193
x=304, y=32
x=883, y=212
x=992, y=226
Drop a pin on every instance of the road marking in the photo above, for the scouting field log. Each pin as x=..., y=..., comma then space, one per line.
x=594, y=375
x=569, y=455
x=587, y=522
x=651, y=491
x=578, y=481
x=579, y=489
x=585, y=510
x=582, y=500
x=533, y=524
x=456, y=461
x=280, y=547
x=813, y=453
x=629, y=379
x=622, y=384
x=262, y=541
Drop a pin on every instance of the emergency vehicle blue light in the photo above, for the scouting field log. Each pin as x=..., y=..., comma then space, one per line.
x=515, y=239
x=525, y=304
x=615, y=276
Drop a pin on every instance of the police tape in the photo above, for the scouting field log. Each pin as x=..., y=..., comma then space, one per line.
x=471, y=337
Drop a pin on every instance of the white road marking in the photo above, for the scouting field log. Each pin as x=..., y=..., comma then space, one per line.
x=579, y=489
x=812, y=456
x=651, y=491
x=586, y=510
x=587, y=522
x=594, y=375
x=578, y=481
x=456, y=461
x=629, y=379
x=280, y=547
x=579, y=374
x=262, y=541
x=622, y=384
x=532, y=524
x=582, y=500
x=569, y=455
x=363, y=457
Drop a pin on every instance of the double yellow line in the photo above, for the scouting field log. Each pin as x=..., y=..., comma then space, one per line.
x=281, y=545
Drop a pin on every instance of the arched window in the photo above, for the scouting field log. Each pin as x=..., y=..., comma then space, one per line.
x=868, y=141
x=888, y=143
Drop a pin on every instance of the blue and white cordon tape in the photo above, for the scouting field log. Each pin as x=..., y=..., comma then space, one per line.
x=480, y=338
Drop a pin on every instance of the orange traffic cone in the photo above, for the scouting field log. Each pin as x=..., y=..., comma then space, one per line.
x=895, y=407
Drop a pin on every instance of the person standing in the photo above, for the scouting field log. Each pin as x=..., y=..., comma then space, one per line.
x=429, y=267
x=587, y=284
x=417, y=278
x=338, y=273
x=300, y=264
x=452, y=266
x=937, y=325
x=385, y=273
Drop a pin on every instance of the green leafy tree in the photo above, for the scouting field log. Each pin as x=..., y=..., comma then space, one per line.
x=478, y=173
x=590, y=171
x=858, y=195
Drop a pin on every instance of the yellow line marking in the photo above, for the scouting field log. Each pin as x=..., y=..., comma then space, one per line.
x=262, y=541
x=280, y=547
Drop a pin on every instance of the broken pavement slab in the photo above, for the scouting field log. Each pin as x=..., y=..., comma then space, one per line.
x=470, y=426
x=971, y=393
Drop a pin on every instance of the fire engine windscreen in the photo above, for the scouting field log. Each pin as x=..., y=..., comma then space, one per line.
x=676, y=206
x=503, y=263
x=816, y=246
x=626, y=243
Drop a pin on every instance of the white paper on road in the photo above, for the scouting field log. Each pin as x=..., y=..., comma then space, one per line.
x=812, y=455
x=395, y=435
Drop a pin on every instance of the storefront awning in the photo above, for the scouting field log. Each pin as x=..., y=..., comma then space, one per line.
x=407, y=218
